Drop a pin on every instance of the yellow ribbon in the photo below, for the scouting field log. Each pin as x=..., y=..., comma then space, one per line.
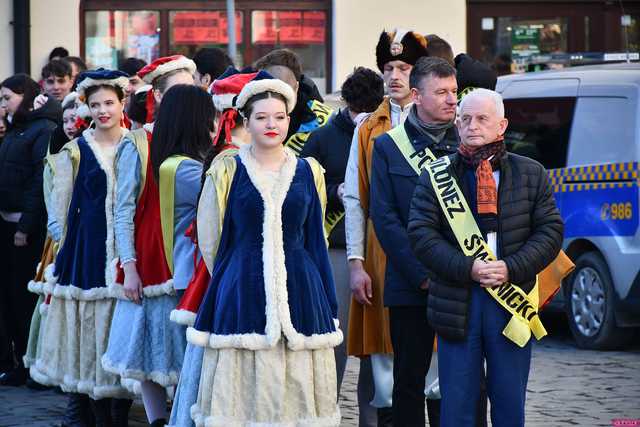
x=167, y=188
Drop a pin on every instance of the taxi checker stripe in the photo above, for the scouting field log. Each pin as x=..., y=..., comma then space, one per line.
x=522, y=306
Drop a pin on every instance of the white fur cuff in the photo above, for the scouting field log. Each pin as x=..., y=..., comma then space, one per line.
x=183, y=317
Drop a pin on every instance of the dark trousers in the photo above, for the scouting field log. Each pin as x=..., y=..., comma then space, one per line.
x=18, y=265
x=460, y=365
x=412, y=341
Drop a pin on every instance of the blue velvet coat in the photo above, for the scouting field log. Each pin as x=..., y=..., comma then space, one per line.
x=83, y=189
x=271, y=277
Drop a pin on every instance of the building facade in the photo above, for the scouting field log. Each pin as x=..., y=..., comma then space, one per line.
x=331, y=36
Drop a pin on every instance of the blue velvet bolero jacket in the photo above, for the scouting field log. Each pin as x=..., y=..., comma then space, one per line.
x=270, y=276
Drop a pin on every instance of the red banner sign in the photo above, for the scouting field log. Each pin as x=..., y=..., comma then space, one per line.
x=288, y=27
x=203, y=28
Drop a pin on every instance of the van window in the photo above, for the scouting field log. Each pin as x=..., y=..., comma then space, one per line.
x=539, y=128
x=602, y=130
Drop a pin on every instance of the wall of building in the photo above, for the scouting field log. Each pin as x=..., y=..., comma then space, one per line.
x=53, y=23
x=356, y=28
x=6, y=39
x=358, y=24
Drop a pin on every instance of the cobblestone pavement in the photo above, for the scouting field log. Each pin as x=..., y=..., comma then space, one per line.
x=567, y=387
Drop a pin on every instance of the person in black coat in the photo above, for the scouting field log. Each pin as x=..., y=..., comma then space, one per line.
x=362, y=91
x=512, y=203
x=22, y=210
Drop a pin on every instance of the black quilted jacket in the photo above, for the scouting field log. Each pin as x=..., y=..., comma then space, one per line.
x=530, y=232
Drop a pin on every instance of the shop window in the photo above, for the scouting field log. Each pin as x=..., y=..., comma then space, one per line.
x=301, y=31
x=114, y=35
x=632, y=34
x=539, y=128
x=522, y=39
x=193, y=30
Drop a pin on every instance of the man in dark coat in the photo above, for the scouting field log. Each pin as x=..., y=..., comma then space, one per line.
x=512, y=203
x=430, y=125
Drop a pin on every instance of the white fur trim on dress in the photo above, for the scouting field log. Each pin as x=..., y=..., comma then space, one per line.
x=162, y=378
x=38, y=376
x=121, y=82
x=79, y=294
x=43, y=308
x=183, y=317
x=201, y=420
x=149, y=291
x=36, y=287
x=255, y=87
x=278, y=315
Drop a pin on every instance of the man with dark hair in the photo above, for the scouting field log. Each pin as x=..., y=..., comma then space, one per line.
x=439, y=48
x=131, y=66
x=58, y=53
x=362, y=91
x=77, y=66
x=57, y=79
x=483, y=295
x=211, y=62
x=398, y=156
x=309, y=113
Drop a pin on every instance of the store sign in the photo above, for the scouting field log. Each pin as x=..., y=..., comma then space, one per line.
x=525, y=40
x=313, y=27
x=209, y=27
x=288, y=27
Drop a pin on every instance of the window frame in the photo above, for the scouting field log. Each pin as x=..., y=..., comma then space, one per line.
x=245, y=6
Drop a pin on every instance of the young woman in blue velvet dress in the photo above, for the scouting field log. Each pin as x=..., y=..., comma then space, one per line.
x=267, y=325
x=79, y=316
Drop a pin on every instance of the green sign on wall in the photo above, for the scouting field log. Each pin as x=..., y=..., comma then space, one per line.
x=525, y=40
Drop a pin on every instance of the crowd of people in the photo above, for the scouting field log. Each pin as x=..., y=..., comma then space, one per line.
x=222, y=240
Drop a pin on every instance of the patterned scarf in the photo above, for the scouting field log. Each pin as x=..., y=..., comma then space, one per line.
x=484, y=161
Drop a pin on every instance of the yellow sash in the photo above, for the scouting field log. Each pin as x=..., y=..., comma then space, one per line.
x=139, y=139
x=297, y=140
x=523, y=307
x=167, y=188
x=417, y=159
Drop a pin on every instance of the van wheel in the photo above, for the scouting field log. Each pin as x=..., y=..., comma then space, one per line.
x=589, y=305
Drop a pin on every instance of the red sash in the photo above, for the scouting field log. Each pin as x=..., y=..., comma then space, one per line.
x=151, y=261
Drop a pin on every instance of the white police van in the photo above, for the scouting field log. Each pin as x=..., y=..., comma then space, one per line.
x=583, y=125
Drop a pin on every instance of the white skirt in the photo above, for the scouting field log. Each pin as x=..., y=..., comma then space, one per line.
x=275, y=387
x=75, y=338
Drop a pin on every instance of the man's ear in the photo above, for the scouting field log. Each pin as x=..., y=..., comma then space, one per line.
x=502, y=126
x=206, y=80
x=415, y=94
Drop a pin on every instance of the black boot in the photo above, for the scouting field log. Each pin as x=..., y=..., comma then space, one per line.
x=385, y=417
x=102, y=412
x=14, y=378
x=77, y=411
x=160, y=422
x=120, y=412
